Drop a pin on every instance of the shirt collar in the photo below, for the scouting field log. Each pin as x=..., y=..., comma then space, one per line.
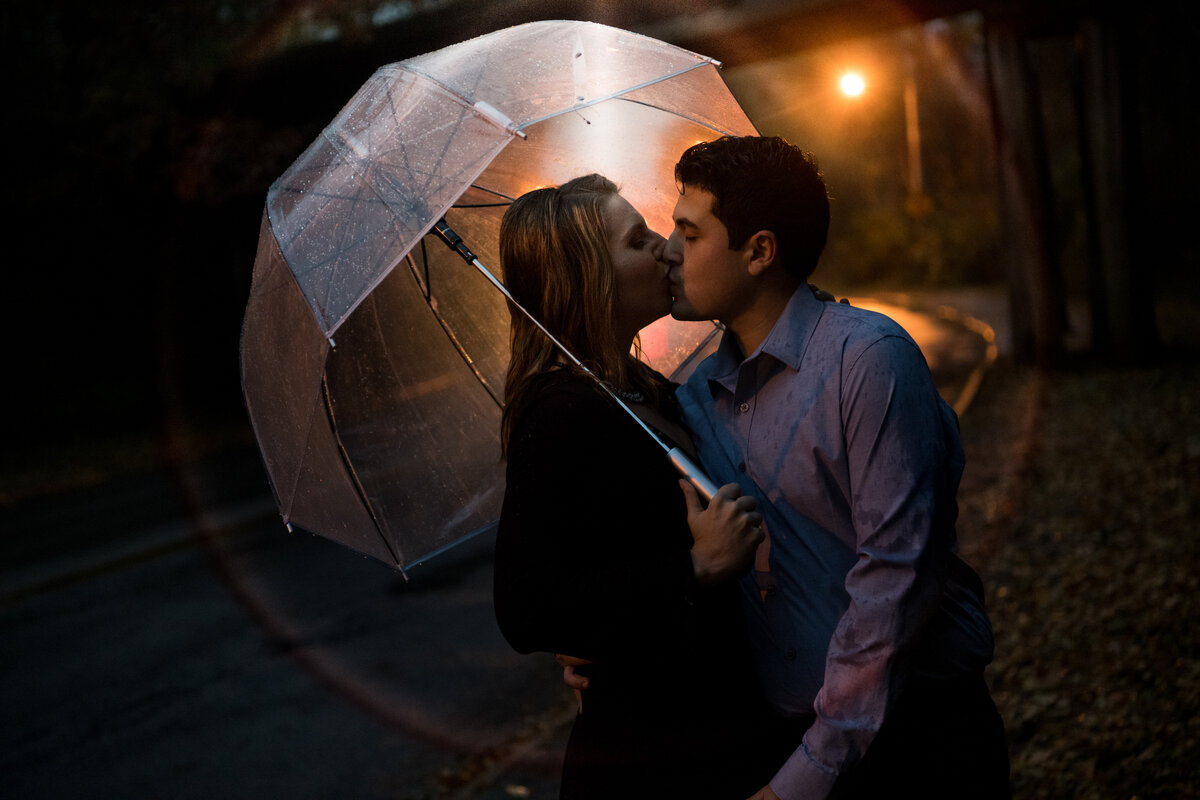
x=786, y=342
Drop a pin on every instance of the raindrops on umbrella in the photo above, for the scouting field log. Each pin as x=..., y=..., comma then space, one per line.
x=372, y=364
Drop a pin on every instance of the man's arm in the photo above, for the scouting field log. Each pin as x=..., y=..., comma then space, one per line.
x=901, y=497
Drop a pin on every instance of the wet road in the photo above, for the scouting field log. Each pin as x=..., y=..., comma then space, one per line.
x=164, y=636
x=167, y=637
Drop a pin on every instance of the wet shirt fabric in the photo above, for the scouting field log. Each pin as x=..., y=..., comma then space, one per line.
x=593, y=560
x=835, y=426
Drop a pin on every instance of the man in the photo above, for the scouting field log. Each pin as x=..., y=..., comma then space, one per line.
x=864, y=622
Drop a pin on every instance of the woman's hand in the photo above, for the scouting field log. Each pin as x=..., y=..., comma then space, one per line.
x=573, y=679
x=724, y=535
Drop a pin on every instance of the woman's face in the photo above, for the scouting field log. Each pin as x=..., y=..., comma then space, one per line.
x=643, y=291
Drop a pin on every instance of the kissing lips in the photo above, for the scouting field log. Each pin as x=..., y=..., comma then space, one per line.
x=674, y=284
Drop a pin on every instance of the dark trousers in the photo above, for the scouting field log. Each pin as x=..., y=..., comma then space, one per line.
x=942, y=739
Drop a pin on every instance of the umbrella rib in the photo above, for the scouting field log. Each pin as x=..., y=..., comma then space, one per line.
x=355, y=201
x=425, y=189
x=507, y=198
x=359, y=198
x=717, y=328
x=427, y=287
x=455, y=127
x=420, y=560
x=402, y=148
x=366, y=188
x=295, y=480
x=358, y=487
x=466, y=358
x=617, y=94
x=688, y=117
x=427, y=293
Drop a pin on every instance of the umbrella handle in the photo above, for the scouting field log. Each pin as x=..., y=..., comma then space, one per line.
x=453, y=240
x=693, y=472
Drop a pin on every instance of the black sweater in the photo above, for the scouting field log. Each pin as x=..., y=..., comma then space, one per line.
x=593, y=560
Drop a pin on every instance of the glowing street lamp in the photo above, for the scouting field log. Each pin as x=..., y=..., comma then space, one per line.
x=853, y=84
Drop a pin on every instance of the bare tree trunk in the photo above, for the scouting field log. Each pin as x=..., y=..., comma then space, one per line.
x=1035, y=277
x=1122, y=294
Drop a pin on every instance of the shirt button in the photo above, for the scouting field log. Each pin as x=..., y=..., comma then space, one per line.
x=790, y=655
x=743, y=408
x=741, y=466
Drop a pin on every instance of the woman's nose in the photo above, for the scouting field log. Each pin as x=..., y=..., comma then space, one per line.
x=659, y=246
x=673, y=251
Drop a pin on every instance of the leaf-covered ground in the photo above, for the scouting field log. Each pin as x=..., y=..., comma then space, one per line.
x=1080, y=506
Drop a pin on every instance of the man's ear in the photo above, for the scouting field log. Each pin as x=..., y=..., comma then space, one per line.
x=763, y=248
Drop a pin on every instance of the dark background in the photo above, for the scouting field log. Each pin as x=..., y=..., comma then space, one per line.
x=141, y=138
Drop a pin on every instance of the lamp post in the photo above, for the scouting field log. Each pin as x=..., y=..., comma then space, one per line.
x=852, y=84
x=917, y=204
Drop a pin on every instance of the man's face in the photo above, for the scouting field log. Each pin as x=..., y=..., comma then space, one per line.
x=705, y=273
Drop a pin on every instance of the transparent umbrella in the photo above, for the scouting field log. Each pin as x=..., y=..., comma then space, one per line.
x=372, y=355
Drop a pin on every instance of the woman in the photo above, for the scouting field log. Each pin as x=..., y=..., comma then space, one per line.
x=594, y=555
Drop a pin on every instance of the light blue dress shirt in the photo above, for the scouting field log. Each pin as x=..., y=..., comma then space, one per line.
x=834, y=424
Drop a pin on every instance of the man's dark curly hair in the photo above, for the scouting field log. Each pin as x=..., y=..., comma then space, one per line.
x=763, y=183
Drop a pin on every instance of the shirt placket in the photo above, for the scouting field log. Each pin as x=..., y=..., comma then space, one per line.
x=744, y=400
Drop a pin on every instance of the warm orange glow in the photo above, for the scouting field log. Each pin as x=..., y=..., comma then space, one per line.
x=852, y=84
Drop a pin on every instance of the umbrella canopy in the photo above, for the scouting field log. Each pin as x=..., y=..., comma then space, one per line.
x=373, y=357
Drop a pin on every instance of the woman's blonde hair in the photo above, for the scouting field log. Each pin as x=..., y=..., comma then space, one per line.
x=555, y=258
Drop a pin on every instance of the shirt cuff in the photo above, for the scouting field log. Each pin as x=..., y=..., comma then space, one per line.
x=802, y=778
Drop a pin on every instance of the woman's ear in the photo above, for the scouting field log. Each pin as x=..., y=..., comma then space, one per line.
x=763, y=250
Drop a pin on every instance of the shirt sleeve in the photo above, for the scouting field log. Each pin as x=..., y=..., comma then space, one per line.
x=901, y=504
x=581, y=566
